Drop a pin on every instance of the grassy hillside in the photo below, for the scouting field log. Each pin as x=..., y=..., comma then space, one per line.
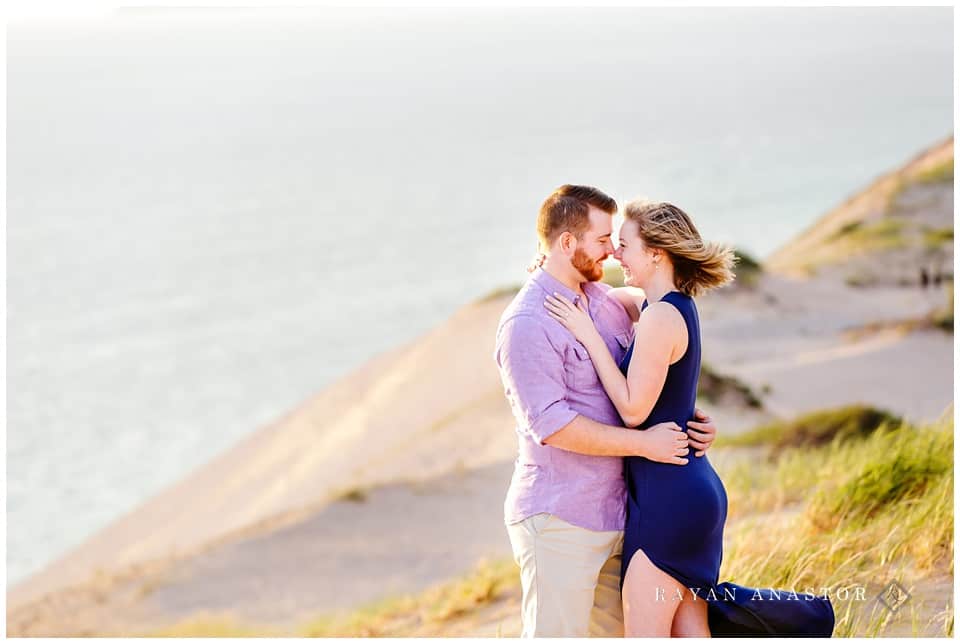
x=872, y=504
x=895, y=231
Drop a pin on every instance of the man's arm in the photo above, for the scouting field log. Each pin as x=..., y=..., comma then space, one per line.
x=664, y=443
x=630, y=297
x=532, y=373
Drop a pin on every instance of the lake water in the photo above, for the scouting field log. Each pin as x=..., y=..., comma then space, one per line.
x=212, y=215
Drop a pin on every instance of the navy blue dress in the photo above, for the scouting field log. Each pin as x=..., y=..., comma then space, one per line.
x=676, y=514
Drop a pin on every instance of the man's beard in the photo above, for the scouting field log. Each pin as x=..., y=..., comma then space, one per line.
x=591, y=270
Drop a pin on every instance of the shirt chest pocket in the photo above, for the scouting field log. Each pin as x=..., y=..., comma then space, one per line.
x=581, y=373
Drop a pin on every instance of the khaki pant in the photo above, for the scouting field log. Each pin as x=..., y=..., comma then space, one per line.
x=570, y=578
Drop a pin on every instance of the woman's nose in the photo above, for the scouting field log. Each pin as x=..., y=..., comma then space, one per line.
x=616, y=254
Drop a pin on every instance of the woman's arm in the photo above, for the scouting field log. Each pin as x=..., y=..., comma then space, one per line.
x=631, y=298
x=661, y=331
x=660, y=338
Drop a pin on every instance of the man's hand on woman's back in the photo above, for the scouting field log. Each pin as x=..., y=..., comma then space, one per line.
x=701, y=433
x=665, y=443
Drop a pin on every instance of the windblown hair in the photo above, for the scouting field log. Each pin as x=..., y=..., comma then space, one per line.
x=568, y=209
x=698, y=266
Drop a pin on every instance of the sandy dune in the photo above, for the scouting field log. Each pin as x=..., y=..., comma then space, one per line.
x=258, y=531
x=423, y=436
x=410, y=414
x=791, y=340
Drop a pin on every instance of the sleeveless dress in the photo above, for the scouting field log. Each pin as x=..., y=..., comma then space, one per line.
x=676, y=515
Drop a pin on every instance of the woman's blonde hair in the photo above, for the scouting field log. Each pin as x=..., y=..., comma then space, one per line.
x=697, y=265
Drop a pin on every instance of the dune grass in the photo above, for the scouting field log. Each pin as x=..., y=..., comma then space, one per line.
x=855, y=498
x=870, y=505
x=816, y=428
x=397, y=617
x=883, y=234
x=936, y=237
x=748, y=270
x=942, y=173
x=716, y=388
x=943, y=317
x=852, y=512
x=213, y=626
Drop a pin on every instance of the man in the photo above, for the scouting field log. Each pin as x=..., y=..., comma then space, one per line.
x=565, y=508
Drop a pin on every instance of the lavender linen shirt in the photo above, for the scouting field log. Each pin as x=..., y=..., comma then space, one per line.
x=549, y=379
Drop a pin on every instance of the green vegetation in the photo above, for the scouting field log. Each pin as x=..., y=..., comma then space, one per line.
x=745, y=261
x=941, y=173
x=613, y=275
x=424, y=613
x=747, y=269
x=213, y=626
x=858, y=499
x=857, y=511
x=943, y=318
x=397, y=617
x=903, y=467
x=351, y=494
x=936, y=237
x=882, y=234
x=716, y=388
x=860, y=279
x=816, y=428
x=847, y=228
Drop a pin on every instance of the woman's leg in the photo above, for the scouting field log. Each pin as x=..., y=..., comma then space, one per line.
x=691, y=617
x=649, y=599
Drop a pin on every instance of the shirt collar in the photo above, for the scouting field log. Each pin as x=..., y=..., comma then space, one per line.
x=552, y=285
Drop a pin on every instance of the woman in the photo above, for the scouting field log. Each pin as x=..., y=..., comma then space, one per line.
x=673, y=537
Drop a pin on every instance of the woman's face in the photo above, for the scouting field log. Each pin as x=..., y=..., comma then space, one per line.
x=636, y=259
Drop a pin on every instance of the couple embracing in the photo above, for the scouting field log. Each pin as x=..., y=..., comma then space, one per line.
x=614, y=512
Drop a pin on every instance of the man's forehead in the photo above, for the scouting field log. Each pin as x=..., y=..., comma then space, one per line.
x=601, y=223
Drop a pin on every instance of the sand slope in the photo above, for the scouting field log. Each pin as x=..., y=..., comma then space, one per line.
x=886, y=233
x=258, y=531
x=422, y=410
x=287, y=552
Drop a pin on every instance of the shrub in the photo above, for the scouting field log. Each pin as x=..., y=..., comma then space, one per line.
x=715, y=388
x=818, y=428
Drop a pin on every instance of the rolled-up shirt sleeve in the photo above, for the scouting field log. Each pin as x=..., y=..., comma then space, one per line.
x=531, y=369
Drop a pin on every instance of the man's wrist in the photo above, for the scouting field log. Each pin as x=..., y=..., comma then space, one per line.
x=639, y=443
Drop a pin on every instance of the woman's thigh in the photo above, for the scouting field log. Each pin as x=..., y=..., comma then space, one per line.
x=691, y=617
x=649, y=599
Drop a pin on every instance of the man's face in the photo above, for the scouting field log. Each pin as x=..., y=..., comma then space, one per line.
x=594, y=246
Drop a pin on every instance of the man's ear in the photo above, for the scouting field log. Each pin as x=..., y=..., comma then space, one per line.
x=567, y=242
